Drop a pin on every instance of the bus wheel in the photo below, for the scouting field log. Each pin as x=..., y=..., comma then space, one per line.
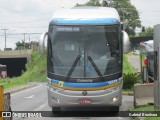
x=56, y=110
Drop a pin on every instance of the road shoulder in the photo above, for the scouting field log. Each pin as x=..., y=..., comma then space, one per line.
x=21, y=88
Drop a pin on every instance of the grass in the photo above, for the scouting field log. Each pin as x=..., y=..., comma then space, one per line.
x=130, y=76
x=127, y=67
x=36, y=68
x=36, y=71
x=143, y=108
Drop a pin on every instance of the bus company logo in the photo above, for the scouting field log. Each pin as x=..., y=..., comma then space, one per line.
x=6, y=114
x=84, y=93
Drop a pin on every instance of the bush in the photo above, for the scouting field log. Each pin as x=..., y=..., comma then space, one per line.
x=130, y=79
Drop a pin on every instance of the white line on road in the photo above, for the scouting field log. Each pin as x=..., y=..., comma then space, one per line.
x=29, y=97
x=26, y=90
x=40, y=107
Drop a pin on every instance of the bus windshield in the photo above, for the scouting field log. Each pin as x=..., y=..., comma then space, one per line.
x=84, y=51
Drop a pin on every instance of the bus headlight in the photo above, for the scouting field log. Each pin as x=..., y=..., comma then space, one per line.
x=114, y=99
x=119, y=86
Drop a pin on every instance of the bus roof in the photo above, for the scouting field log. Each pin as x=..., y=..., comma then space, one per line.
x=86, y=15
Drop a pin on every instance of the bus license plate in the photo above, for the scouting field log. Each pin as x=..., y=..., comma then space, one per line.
x=84, y=101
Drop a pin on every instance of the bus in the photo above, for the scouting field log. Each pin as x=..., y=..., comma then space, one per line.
x=3, y=71
x=85, y=47
x=147, y=50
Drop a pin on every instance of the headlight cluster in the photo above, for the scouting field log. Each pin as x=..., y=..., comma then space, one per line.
x=120, y=84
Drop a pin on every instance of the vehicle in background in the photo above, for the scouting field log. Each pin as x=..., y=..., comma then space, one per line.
x=136, y=52
x=3, y=71
x=147, y=46
x=148, y=51
x=84, y=58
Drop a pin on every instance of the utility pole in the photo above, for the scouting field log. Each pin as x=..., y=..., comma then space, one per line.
x=29, y=38
x=5, y=35
x=29, y=47
x=24, y=40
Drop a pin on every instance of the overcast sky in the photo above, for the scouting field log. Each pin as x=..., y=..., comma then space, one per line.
x=149, y=11
x=32, y=16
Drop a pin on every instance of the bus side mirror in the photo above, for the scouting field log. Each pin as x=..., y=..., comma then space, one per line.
x=126, y=42
x=42, y=42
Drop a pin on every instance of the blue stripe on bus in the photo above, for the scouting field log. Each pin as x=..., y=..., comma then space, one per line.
x=86, y=21
x=85, y=85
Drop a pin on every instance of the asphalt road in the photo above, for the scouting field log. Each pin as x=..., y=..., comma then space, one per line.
x=35, y=99
x=135, y=61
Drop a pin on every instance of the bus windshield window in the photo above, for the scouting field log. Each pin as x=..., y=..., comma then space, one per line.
x=99, y=43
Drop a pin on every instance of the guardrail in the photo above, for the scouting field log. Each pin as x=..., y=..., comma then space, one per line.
x=5, y=103
x=143, y=94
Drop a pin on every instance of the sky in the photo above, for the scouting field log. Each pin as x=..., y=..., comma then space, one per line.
x=33, y=16
x=149, y=11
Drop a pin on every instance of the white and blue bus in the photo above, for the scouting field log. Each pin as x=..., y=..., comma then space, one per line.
x=85, y=47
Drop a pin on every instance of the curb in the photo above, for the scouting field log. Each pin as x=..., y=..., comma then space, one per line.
x=127, y=93
x=20, y=88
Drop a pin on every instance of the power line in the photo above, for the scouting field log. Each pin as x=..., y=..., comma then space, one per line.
x=23, y=33
x=19, y=34
x=38, y=20
x=29, y=27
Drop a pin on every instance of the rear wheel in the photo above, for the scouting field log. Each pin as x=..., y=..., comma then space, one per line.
x=56, y=110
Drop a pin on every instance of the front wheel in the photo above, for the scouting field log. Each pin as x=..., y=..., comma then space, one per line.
x=56, y=110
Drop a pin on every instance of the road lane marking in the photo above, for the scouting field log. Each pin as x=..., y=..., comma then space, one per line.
x=26, y=90
x=40, y=107
x=29, y=97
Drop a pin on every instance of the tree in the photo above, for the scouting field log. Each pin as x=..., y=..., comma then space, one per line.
x=128, y=12
x=91, y=3
x=20, y=45
x=148, y=32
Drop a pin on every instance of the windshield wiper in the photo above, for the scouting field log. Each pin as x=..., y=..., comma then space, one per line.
x=72, y=68
x=96, y=68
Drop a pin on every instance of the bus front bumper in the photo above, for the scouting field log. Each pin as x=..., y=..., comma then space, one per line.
x=68, y=98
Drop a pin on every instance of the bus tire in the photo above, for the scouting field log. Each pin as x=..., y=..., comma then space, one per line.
x=56, y=110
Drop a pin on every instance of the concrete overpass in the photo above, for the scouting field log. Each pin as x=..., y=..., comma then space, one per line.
x=16, y=54
x=15, y=60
